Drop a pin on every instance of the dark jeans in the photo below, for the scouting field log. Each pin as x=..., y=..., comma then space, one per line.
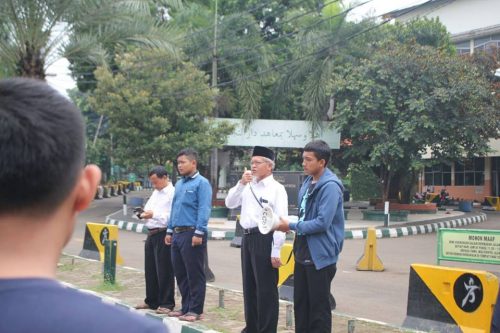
x=260, y=280
x=189, y=271
x=311, y=298
x=160, y=285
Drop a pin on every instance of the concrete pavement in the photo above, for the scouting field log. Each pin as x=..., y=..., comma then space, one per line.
x=376, y=296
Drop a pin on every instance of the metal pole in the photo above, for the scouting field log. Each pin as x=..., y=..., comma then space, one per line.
x=214, y=158
x=221, y=298
x=350, y=326
x=386, y=214
x=124, y=205
x=110, y=260
x=289, y=316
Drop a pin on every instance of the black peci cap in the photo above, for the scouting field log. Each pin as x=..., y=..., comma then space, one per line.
x=264, y=152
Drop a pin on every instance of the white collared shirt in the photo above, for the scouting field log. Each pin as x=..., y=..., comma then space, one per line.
x=160, y=203
x=268, y=190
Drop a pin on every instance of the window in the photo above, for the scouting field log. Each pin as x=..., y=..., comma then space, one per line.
x=469, y=172
x=438, y=174
x=495, y=164
x=463, y=47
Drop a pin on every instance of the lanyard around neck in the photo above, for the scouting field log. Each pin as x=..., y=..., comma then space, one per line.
x=258, y=201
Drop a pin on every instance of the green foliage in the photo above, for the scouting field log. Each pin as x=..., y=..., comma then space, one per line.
x=240, y=51
x=102, y=28
x=27, y=46
x=364, y=185
x=36, y=33
x=407, y=98
x=154, y=114
x=98, y=147
x=424, y=31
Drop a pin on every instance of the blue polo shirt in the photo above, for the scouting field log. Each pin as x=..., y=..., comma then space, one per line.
x=192, y=204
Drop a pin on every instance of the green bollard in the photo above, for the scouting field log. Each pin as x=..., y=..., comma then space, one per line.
x=110, y=260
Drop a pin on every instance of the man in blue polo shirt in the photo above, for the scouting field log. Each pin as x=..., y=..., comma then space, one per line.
x=187, y=232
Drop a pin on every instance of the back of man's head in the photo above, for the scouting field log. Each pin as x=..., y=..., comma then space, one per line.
x=41, y=147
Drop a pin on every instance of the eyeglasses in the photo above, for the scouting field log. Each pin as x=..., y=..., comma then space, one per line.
x=256, y=162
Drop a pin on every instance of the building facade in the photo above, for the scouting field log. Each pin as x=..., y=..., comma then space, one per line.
x=474, y=26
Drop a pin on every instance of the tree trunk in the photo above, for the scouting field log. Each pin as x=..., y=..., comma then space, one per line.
x=32, y=63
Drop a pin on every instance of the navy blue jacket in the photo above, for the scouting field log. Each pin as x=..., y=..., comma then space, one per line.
x=323, y=224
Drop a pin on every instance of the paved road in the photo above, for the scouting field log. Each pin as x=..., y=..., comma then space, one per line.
x=374, y=295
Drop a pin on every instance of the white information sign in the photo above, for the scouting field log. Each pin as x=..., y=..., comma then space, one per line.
x=279, y=133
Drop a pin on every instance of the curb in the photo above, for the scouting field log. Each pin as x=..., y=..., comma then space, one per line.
x=141, y=229
x=174, y=325
x=349, y=234
x=417, y=229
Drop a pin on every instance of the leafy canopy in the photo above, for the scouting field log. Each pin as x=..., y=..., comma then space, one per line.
x=408, y=98
x=155, y=112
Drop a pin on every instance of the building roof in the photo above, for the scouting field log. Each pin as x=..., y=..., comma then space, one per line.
x=400, y=12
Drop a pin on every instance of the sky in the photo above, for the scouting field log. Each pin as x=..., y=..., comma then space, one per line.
x=60, y=79
x=379, y=7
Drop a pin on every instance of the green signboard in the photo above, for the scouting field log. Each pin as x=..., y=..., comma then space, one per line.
x=132, y=177
x=469, y=245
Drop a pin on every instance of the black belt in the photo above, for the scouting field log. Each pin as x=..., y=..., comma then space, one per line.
x=154, y=231
x=249, y=231
x=182, y=229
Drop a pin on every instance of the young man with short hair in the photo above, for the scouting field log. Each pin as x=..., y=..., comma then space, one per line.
x=187, y=232
x=319, y=240
x=43, y=186
x=159, y=273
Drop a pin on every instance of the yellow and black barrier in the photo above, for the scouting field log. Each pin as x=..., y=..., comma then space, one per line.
x=493, y=202
x=95, y=236
x=432, y=197
x=285, y=279
x=370, y=261
x=448, y=299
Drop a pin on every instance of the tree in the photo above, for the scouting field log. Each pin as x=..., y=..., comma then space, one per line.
x=38, y=32
x=237, y=49
x=409, y=98
x=154, y=114
x=323, y=43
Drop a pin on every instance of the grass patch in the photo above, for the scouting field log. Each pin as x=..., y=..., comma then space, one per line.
x=107, y=286
x=65, y=267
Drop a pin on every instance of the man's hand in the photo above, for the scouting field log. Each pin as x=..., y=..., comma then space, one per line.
x=147, y=214
x=246, y=177
x=196, y=241
x=276, y=262
x=168, y=239
x=284, y=225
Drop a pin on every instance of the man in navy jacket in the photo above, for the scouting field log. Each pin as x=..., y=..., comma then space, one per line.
x=319, y=239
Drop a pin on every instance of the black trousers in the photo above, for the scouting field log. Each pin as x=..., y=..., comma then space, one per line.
x=189, y=271
x=260, y=280
x=160, y=286
x=311, y=298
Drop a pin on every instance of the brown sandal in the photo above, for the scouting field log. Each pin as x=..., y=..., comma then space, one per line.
x=164, y=311
x=142, y=306
x=190, y=316
x=175, y=313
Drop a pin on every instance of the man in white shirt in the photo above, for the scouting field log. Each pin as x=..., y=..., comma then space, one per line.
x=260, y=254
x=158, y=263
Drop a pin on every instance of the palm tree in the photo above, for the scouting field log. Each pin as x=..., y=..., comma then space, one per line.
x=38, y=32
x=237, y=40
x=322, y=42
